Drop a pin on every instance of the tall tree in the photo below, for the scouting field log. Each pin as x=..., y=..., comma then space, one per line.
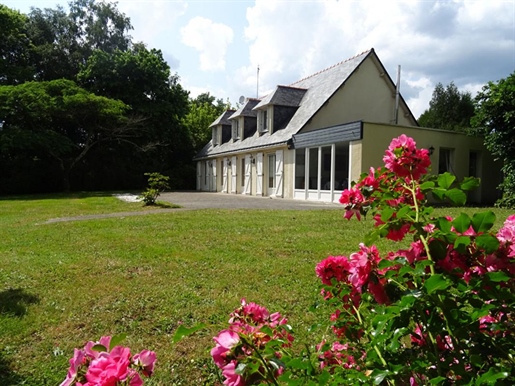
x=449, y=109
x=202, y=112
x=495, y=120
x=141, y=78
x=63, y=41
x=14, y=47
x=60, y=120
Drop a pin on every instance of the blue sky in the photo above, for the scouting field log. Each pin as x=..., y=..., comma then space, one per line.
x=216, y=45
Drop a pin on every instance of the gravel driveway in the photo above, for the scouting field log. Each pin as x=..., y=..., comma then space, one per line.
x=205, y=200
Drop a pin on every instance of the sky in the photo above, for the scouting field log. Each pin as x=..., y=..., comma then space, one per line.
x=216, y=46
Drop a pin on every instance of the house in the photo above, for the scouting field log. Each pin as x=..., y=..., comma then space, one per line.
x=311, y=139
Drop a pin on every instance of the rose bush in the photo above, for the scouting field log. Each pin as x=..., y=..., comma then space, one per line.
x=105, y=363
x=438, y=312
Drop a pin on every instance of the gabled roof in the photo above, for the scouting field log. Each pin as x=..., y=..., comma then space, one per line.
x=223, y=119
x=283, y=96
x=247, y=109
x=316, y=89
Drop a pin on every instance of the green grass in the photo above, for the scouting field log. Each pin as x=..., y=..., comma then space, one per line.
x=64, y=283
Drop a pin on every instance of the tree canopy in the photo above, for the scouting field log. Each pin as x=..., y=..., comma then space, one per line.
x=58, y=120
x=449, y=109
x=85, y=54
x=495, y=120
x=15, y=65
x=203, y=111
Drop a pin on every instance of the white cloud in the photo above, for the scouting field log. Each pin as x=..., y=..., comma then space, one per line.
x=151, y=18
x=210, y=39
x=468, y=42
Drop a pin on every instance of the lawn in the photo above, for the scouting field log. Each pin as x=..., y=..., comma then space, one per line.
x=64, y=283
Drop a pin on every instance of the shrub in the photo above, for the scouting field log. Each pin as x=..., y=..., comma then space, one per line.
x=157, y=183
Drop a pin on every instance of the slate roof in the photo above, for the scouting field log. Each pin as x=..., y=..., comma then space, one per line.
x=283, y=96
x=223, y=119
x=247, y=109
x=318, y=88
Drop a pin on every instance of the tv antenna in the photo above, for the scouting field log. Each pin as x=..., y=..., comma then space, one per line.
x=257, y=82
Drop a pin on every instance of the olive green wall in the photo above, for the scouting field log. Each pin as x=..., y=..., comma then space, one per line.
x=377, y=137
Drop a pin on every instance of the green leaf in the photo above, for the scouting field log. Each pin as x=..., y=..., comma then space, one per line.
x=461, y=223
x=385, y=263
x=483, y=311
x=402, y=213
x=439, y=193
x=483, y=221
x=438, y=249
x=427, y=185
x=498, y=276
x=436, y=282
x=491, y=377
x=461, y=243
x=371, y=237
x=445, y=180
x=183, y=331
x=99, y=348
x=457, y=197
x=488, y=242
x=379, y=375
x=298, y=363
x=469, y=183
x=387, y=213
x=437, y=380
x=116, y=340
x=443, y=224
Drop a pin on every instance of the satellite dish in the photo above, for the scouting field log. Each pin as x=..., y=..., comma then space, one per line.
x=242, y=99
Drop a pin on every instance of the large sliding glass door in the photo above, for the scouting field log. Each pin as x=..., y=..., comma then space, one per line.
x=321, y=172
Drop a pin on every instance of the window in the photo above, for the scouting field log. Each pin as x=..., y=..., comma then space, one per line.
x=445, y=161
x=341, y=167
x=271, y=171
x=313, y=168
x=235, y=130
x=214, y=136
x=473, y=162
x=263, y=121
x=300, y=168
x=326, y=169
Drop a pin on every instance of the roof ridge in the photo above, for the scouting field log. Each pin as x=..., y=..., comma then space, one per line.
x=334, y=65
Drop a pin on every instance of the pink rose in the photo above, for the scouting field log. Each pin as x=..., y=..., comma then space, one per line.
x=108, y=369
x=75, y=363
x=145, y=359
x=231, y=378
x=225, y=341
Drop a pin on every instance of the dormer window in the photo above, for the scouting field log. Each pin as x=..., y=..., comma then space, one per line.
x=263, y=121
x=235, y=130
x=214, y=136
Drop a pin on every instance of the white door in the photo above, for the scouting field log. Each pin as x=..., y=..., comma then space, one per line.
x=207, y=176
x=225, y=172
x=248, y=172
x=279, y=170
x=259, y=173
x=242, y=175
x=199, y=175
x=213, y=176
x=271, y=182
x=233, y=174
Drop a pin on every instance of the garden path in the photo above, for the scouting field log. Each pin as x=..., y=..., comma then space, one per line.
x=204, y=200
